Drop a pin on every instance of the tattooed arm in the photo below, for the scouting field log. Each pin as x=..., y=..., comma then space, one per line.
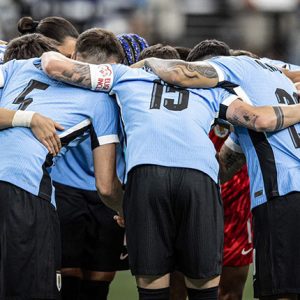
x=262, y=118
x=230, y=162
x=67, y=70
x=181, y=73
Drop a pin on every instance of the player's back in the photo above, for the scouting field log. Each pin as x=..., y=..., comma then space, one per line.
x=273, y=158
x=25, y=86
x=166, y=125
x=280, y=64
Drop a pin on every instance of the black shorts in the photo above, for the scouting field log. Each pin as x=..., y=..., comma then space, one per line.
x=277, y=246
x=91, y=238
x=29, y=246
x=174, y=221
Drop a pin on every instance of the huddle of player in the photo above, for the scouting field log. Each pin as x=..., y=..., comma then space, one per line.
x=151, y=138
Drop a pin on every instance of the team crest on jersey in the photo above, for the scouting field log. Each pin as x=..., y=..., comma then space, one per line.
x=58, y=280
x=221, y=131
x=105, y=77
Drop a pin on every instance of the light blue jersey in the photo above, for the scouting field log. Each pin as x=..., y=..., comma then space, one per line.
x=280, y=64
x=164, y=125
x=273, y=159
x=2, y=50
x=23, y=158
x=76, y=167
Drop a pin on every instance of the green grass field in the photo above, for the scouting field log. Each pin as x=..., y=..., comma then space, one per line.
x=124, y=287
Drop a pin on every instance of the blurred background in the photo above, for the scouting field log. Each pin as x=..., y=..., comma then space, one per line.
x=266, y=27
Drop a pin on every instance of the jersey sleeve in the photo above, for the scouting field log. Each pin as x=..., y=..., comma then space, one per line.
x=105, y=76
x=223, y=99
x=105, y=123
x=6, y=71
x=232, y=142
x=229, y=69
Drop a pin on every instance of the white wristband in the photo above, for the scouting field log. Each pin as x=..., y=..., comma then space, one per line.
x=101, y=77
x=22, y=118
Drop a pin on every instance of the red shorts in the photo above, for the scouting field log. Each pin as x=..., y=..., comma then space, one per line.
x=235, y=194
x=237, y=221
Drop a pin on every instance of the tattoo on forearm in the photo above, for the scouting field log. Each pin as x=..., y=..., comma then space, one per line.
x=279, y=117
x=204, y=70
x=233, y=161
x=189, y=70
x=79, y=76
x=242, y=117
x=230, y=163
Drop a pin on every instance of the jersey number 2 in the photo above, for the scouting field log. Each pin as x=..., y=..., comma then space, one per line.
x=283, y=97
x=22, y=100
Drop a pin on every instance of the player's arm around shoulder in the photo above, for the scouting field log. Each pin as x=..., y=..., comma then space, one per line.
x=262, y=118
x=67, y=70
x=185, y=74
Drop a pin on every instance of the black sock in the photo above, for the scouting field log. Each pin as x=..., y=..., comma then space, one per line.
x=154, y=294
x=70, y=288
x=94, y=290
x=205, y=294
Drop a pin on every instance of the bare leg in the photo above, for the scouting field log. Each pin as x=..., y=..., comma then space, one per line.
x=177, y=286
x=232, y=282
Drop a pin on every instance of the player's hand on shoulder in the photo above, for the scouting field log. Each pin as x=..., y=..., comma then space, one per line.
x=44, y=129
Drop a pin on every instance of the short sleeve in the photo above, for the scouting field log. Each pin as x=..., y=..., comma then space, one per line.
x=105, y=123
x=105, y=76
x=229, y=69
x=6, y=71
x=232, y=143
x=2, y=50
x=226, y=98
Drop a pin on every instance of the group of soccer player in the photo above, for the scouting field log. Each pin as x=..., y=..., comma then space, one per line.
x=106, y=167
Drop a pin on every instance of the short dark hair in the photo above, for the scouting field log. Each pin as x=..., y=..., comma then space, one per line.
x=56, y=28
x=183, y=52
x=238, y=52
x=28, y=46
x=160, y=51
x=100, y=44
x=208, y=48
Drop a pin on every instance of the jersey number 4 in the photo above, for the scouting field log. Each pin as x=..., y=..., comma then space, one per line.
x=283, y=97
x=22, y=100
x=169, y=103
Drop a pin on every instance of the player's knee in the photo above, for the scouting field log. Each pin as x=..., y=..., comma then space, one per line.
x=231, y=294
x=98, y=276
x=202, y=283
x=71, y=272
x=153, y=282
